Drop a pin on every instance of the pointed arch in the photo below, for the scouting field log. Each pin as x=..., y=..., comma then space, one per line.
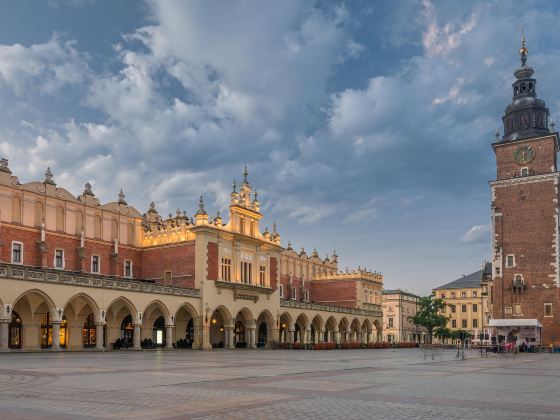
x=189, y=308
x=156, y=303
x=127, y=304
x=89, y=300
x=46, y=298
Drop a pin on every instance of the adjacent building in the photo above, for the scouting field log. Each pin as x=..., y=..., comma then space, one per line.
x=468, y=303
x=76, y=273
x=398, y=306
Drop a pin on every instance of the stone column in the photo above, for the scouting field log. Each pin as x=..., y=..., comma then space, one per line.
x=307, y=335
x=4, y=334
x=136, y=338
x=231, y=336
x=336, y=336
x=226, y=337
x=251, y=344
x=99, y=336
x=272, y=335
x=169, y=337
x=291, y=335
x=55, y=335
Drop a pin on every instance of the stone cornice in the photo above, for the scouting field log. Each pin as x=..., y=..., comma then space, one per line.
x=553, y=176
x=18, y=272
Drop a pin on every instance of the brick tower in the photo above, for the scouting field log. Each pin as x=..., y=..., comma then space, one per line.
x=525, y=211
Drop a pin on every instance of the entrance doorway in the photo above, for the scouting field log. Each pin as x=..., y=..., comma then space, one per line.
x=46, y=332
x=261, y=339
x=14, y=331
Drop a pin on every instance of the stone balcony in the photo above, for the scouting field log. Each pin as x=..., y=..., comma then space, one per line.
x=289, y=303
x=20, y=272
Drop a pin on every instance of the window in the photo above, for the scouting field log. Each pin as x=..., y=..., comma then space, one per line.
x=262, y=275
x=508, y=310
x=463, y=294
x=452, y=295
x=443, y=295
x=307, y=295
x=226, y=269
x=247, y=272
x=95, y=265
x=294, y=293
x=453, y=323
x=475, y=307
x=517, y=309
x=524, y=171
x=444, y=309
x=463, y=323
x=475, y=323
x=463, y=308
x=390, y=322
x=474, y=293
x=17, y=253
x=548, y=309
x=168, y=278
x=128, y=268
x=281, y=290
x=453, y=308
x=510, y=261
x=59, y=258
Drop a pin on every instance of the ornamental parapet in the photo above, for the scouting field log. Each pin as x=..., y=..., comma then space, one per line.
x=351, y=275
x=288, y=303
x=18, y=272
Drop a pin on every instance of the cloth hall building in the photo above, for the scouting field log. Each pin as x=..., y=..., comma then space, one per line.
x=75, y=274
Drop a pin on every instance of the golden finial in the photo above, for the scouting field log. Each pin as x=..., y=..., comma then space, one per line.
x=523, y=51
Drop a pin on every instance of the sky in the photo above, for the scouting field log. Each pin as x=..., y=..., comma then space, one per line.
x=366, y=126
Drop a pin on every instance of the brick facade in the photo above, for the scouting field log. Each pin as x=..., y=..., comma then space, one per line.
x=336, y=292
x=179, y=259
x=525, y=221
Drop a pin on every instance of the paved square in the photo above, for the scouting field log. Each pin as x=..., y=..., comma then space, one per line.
x=350, y=384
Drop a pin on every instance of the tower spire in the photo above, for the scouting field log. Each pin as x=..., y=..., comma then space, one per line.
x=526, y=116
x=523, y=51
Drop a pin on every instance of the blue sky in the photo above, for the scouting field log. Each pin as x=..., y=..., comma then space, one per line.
x=366, y=126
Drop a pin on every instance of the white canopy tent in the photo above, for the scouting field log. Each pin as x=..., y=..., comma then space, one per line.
x=517, y=330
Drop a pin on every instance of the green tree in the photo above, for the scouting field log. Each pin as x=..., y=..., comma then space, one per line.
x=429, y=314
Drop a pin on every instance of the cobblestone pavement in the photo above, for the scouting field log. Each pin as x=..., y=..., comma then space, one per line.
x=241, y=384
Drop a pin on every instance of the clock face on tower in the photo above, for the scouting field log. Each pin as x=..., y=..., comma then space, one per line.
x=524, y=154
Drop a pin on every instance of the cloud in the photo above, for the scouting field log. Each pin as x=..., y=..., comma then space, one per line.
x=50, y=66
x=440, y=40
x=477, y=234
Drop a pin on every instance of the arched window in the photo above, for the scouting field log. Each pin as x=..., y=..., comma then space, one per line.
x=114, y=229
x=79, y=222
x=60, y=218
x=38, y=213
x=97, y=227
x=16, y=209
x=130, y=234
